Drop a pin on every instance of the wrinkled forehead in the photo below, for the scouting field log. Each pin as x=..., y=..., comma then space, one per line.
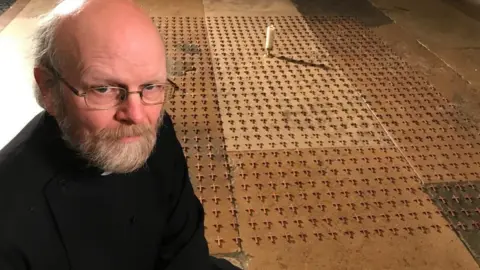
x=133, y=57
x=132, y=52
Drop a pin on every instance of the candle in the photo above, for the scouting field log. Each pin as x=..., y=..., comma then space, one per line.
x=270, y=37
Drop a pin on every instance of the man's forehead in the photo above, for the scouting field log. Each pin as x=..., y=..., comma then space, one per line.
x=124, y=74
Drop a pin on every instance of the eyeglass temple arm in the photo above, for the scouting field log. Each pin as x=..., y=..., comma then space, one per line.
x=175, y=86
x=57, y=74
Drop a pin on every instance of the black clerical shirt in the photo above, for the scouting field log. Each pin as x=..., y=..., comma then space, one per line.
x=122, y=214
x=58, y=213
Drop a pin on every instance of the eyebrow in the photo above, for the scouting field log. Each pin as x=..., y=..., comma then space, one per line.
x=157, y=81
x=94, y=82
x=97, y=81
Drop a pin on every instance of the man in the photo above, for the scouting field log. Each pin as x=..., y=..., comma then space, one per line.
x=99, y=180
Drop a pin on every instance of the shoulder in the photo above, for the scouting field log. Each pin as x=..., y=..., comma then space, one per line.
x=167, y=159
x=14, y=155
x=167, y=128
x=22, y=166
x=25, y=169
x=167, y=141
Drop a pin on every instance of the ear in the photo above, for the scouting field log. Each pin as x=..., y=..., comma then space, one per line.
x=45, y=82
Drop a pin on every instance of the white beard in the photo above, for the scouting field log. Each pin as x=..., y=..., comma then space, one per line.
x=106, y=152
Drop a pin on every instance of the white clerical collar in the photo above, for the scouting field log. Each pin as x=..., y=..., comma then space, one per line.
x=106, y=173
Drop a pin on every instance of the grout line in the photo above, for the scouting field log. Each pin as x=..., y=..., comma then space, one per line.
x=394, y=142
x=425, y=47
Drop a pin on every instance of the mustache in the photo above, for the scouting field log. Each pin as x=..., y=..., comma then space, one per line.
x=124, y=131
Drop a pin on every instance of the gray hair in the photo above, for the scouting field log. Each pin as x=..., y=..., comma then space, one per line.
x=45, y=53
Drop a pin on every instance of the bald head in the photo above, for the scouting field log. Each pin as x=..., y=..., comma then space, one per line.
x=108, y=29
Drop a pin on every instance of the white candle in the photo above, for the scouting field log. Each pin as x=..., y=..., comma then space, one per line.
x=270, y=37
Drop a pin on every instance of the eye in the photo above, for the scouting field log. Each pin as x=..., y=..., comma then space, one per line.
x=153, y=87
x=101, y=89
x=150, y=87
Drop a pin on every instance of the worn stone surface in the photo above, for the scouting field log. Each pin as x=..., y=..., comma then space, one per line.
x=417, y=117
x=9, y=10
x=336, y=208
x=284, y=102
x=460, y=205
x=5, y=4
x=363, y=10
x=250, y=7
x=450, y=37
x=173, y=8
x=346, y=190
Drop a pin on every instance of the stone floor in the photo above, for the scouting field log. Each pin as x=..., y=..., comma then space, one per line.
x=6, y=4
x=355, y=146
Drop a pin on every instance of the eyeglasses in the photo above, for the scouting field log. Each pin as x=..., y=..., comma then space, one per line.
x=107, y=97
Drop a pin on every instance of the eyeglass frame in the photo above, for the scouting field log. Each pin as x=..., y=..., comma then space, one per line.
x=84, y=94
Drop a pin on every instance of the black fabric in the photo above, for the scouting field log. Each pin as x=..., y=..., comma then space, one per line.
x=56, y=212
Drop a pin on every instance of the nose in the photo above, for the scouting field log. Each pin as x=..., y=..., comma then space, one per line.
x=132, y=110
